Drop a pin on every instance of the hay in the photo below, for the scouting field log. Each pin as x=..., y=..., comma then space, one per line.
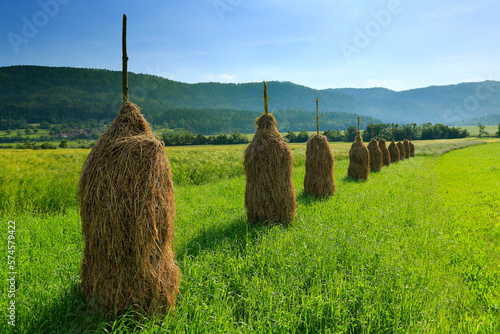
x=412, y=150
x=359, y=160
x=127, y=211
x=268, y=162
x=319, y=179
x=407, y=148
x=394, y=151
x=402, y=152
x=376, y=159
x=386, y=157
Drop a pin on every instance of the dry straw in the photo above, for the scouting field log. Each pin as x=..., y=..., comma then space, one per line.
x=359, y=159
x=386, y=157
x=406, y=144
x=402, y=151
x=268, y=162
x=407, y=147
x=412, y=149
x=394, y=151
x=127, y=212
x=319, y=179
x=376, y=158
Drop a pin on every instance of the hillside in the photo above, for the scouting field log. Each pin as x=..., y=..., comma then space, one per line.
x=57, y=94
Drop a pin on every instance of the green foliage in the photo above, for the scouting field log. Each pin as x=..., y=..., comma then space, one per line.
x=409, y=251
x=498, y=132
x=482, y=131
x=350, y=134
x=64, y=144
x=291, y=136
x=182, y=138
x=333, y=135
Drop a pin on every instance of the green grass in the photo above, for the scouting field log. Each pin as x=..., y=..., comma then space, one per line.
x=474, y=129
x=413, y=250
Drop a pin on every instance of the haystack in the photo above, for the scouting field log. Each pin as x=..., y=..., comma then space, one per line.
x=269, y=194
x=386, y=157
x=376, y=159
x=319, y=179
x=359, y=159
x=268, y=163
x=127, y=211
x=394, y=151
x=412, y=149
x=402, y=152
x=406, y=144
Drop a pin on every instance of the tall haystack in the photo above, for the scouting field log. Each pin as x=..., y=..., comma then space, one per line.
x=412, y=149
x=127, y=211
x=402, y=152
x=386, y=157
x=359, y=159
x=319, y=179
x=393, y=149
x=406, y=144
x=268, y=162
x=376, y=159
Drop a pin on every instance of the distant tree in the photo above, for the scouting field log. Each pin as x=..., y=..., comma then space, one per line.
x=350, y=133
x=482, y=131
x=291, y=136
x=333, y=135
x=64, y=144
x=44, y=125
x=200, y=139
x=9, y=131
x=498, y=132
x=302, y=137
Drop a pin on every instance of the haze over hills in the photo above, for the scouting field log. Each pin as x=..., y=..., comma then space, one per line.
x=56, y=93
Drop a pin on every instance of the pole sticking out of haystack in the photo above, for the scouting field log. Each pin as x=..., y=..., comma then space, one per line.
x=359, y=159
x=127, y=212
x=376, y=159
x=317, y=116
x=393, y=148
x=406, y=145
x=124, y=60
x=266, y=107
x=268, y=163
x=319, y=180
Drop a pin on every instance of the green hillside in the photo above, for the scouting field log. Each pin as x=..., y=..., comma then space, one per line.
x=62, y=95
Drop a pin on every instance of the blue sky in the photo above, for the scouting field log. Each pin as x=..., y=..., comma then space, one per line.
x=397, y=44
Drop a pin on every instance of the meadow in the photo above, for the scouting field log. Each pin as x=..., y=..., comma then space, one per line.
x=415, y=249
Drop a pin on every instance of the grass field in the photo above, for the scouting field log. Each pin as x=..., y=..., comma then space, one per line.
x=416, y=249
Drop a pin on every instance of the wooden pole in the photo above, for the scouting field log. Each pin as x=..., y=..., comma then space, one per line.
x=358, y=127
x=266, y=108
x=392, y=131
x=317, y=115
x=372, y=128
x=124, y=60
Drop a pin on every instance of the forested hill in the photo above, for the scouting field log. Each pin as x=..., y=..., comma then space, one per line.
x=57, y=94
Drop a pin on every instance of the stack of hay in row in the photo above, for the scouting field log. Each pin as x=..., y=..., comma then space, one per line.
x=128, y=204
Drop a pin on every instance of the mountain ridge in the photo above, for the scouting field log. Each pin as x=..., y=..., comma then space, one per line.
x=62, y=88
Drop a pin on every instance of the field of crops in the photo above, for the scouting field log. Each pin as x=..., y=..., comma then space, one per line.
x=414, y=249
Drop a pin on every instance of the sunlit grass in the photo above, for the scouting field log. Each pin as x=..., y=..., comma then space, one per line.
x=413, y=249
